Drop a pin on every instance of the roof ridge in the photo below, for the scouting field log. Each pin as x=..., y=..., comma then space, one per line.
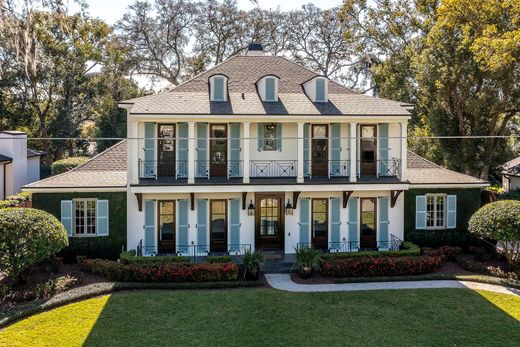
x=429, y=161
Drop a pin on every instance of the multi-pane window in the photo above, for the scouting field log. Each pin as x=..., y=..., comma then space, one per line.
x=85, y=216
x=435, y=211
x=269, y=212
x=269, y=137
x=319, y=217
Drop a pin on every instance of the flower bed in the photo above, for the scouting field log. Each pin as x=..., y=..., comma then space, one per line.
x=445, y=252
x=173, y=272
x=381, y=266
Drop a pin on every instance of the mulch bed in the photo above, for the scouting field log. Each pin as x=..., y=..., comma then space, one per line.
x=315, y=279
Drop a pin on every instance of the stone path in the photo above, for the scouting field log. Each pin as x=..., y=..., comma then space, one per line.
x=284, y=282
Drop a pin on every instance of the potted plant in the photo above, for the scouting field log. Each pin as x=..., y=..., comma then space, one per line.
x=253, y=260
x=308, y=259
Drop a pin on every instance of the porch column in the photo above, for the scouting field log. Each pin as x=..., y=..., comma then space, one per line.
x=133, y=151
x=245, y=151
x=191, y=152
x=300, y=152
x=352, y=128
x=404, y=150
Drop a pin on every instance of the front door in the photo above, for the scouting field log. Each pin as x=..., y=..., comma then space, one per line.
x=166, y=150
x=166, y=231
x=368, y=148
x=269, y=222
x=218, y=150
x=319, y=150
x=368, y=233
x=218, y=226
x=320, y=223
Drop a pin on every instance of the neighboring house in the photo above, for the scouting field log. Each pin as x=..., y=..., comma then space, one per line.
x=511, y=175
x=259, y=152
x=18, y=164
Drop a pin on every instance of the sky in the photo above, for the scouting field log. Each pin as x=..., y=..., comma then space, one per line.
x=112, y=10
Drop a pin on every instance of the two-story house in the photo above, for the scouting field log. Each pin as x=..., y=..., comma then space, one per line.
x=258, y=152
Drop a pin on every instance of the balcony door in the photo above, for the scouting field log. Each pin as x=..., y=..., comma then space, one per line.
x=166, y=150
x=368, y=225
x=319, y=150
x=218, y=226
x=218, y=150
x=269, y=221
x=368, y=149
x=320, y=223
x=166, y=230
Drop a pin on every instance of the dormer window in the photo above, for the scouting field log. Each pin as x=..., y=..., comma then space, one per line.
x=218, y=88
x=317, y=89
x=268, y=88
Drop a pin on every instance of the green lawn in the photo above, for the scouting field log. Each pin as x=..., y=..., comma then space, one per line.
x=269, y=317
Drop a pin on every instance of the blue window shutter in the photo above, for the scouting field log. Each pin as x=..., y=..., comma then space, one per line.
x=149, y=226
x=182, y=226
x=304, y=220
x=320, y=90
x=202, y=150
x=279, y=136
x=383, y=219
x=335, y=150
x=182, y=149
x=260, y=137
x=218, y=89
x=102, y=217
x=202, y=223
x=269, y=89
x=234, y=150
x=451, y=221
x=356, y=150
x=353, y=218
x=384, y=167
x=234, y=223
x=420, y=212
x=149, y=150
x=66, y=216
x=335, y=222
x=306, y=150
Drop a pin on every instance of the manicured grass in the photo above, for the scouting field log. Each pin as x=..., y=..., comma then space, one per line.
x=269, y=317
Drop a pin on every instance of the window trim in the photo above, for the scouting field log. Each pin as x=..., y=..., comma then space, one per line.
x=85, y=234
x=445, y=212
x=212, y=80
x=264, y=126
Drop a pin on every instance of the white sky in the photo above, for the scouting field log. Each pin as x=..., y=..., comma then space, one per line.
x=112, y=10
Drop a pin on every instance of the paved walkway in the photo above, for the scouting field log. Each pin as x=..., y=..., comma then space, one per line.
x=284, y=282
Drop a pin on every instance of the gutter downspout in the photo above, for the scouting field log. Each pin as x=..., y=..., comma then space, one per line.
x=4, y=179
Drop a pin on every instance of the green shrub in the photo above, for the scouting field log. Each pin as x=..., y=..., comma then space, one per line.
x=64, y=165
x=27, y=237
x=444, y=252
x=129, y=257
x=42, y=290
x=219, y=259
x=407, y=249
x=15, y=200
x=447, y=237
x=500, y=221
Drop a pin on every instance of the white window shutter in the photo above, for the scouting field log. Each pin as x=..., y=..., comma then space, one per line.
x=420, y=212
x=102, y=217
x=451, y=220
x=66, y=216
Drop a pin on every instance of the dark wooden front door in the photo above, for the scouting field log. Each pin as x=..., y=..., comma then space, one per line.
x=319, y=150
x=320, y=223
x=218, y=150
x=166, y=150
x=368, y=150
x=368, y=225
x=269, y=221
x=218, y=226
x=166, y=230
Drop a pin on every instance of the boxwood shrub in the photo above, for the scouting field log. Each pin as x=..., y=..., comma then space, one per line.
x=129, y=257
x=408, y=249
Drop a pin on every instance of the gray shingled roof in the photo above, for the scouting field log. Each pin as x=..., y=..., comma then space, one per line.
x=192, y=97
x=105, y=170
x=512, y=167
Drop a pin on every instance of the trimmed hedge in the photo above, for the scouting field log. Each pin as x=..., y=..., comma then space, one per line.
x=64, y=165
x=130, y=258
x=447, y=237
x=15, y=200
x=219, y=259
x=179, y=272
x=408, y=249
x=382, y=266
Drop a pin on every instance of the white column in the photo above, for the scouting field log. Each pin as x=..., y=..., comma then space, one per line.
x=353, y=151
x=191, y=152
x=300, y=152
x=404, y=150
x=245, y=150
x=133, y=151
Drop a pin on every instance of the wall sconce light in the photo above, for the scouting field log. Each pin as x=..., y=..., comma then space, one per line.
x=288, y=208
x=251, y=209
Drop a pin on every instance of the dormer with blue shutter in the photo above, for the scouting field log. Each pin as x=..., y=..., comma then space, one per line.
x=218, y=88
x=267, y=87
x=317, y=89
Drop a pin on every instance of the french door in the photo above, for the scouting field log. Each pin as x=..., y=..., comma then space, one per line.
x=368, y=149
x=218, y=226
x=269, y=221
x=166, y=150
x=218, y=150
x=320, y=223
x=166, y=230
x=319, y=150
x=368, y=225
